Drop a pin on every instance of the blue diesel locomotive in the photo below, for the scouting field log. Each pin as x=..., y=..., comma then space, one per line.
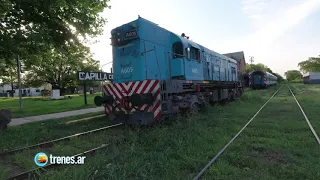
x=158, y=74
x=261, y=79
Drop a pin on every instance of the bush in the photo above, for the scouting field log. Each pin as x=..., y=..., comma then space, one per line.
x=253, y=96
x=296, y=81
x=5, y=118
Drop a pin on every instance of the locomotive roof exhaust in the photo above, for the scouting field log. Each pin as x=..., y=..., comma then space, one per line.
x=183, y=35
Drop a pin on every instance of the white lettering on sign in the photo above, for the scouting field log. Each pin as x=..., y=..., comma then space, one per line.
x=81, y=74
x=194, y=70
x=126, y=70
x=94, y=76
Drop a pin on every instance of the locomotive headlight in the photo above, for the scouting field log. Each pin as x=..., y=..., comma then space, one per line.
x=134, y=25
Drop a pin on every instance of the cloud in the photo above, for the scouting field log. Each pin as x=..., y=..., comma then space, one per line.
x=271, y=20
x=274, y=22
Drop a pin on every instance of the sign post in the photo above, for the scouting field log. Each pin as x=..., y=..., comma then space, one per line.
x=19, y=82
x=92, y=76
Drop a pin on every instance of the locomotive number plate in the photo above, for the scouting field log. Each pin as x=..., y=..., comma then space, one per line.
x=131, y=34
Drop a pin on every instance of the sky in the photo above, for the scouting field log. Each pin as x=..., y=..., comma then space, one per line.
x=277, y=33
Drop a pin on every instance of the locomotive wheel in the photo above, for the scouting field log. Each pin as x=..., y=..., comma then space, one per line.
x=194, y=109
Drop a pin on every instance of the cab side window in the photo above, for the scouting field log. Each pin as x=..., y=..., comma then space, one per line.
x=177, y=50
x=195, y=53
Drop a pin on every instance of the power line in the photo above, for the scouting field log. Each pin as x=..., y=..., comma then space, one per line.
x=106, y=64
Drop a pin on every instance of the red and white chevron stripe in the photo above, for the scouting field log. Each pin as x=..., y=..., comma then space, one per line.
x=265, y=79
x=250, y=76
x=120, y=90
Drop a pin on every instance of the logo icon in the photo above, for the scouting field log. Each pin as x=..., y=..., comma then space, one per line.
x=41, y=159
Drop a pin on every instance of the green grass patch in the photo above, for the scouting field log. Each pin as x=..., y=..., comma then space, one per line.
x=32, y=133
x=4, y=172
x=173, y=151
x=25, y=159
x=276, y=145
x=33, y=106
x=309, y=99
x=74, y=146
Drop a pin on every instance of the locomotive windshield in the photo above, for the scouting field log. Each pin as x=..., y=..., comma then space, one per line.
x=177, y=50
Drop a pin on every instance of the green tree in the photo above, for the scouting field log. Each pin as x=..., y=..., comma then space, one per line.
x=9, y=75
x=257, y=67
x=293, y=75
x=310, y=65
x=280, y=78
x=29, y=27
x=262, y=67
x=60, y=67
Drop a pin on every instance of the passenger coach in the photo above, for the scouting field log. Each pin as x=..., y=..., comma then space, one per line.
x=261, y=79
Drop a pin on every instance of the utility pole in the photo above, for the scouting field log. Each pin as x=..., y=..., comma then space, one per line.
x=251, y=60
x=19, y=81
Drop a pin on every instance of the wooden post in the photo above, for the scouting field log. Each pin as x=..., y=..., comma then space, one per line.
x=85, y=92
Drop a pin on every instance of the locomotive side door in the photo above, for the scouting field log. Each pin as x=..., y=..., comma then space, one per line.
x=210, y=66
x=233, y=72
x=216, y=68
x=222, y=70
x=206, y=66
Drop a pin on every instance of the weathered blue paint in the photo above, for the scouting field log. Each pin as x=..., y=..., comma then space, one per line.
x=144, y=50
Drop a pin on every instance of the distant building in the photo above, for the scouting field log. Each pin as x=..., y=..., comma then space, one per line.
x=311, y=78
x=5, y=90
x=239, y=57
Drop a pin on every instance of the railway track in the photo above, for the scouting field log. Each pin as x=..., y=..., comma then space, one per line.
x=51, y=142
x=31, y=173
x=305, y=117
x=48, y=144
x=214, y=159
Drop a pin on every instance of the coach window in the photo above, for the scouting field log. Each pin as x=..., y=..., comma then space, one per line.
x=177, y=50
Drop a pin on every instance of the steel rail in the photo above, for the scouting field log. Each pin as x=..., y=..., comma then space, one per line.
x=225, y=147
x=27, y=174
x=305, y=117
x=50, y=143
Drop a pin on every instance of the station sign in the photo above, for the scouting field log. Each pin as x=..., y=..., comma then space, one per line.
x=94, y=76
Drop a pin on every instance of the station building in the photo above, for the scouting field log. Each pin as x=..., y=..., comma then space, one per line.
x=311, y=78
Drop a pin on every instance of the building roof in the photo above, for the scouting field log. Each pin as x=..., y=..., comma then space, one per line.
x=311, y=74
x=238, y=56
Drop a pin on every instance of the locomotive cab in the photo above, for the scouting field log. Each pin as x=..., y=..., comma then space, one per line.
x=186, y=60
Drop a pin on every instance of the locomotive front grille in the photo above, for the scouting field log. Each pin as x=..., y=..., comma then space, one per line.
x=130, y=97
